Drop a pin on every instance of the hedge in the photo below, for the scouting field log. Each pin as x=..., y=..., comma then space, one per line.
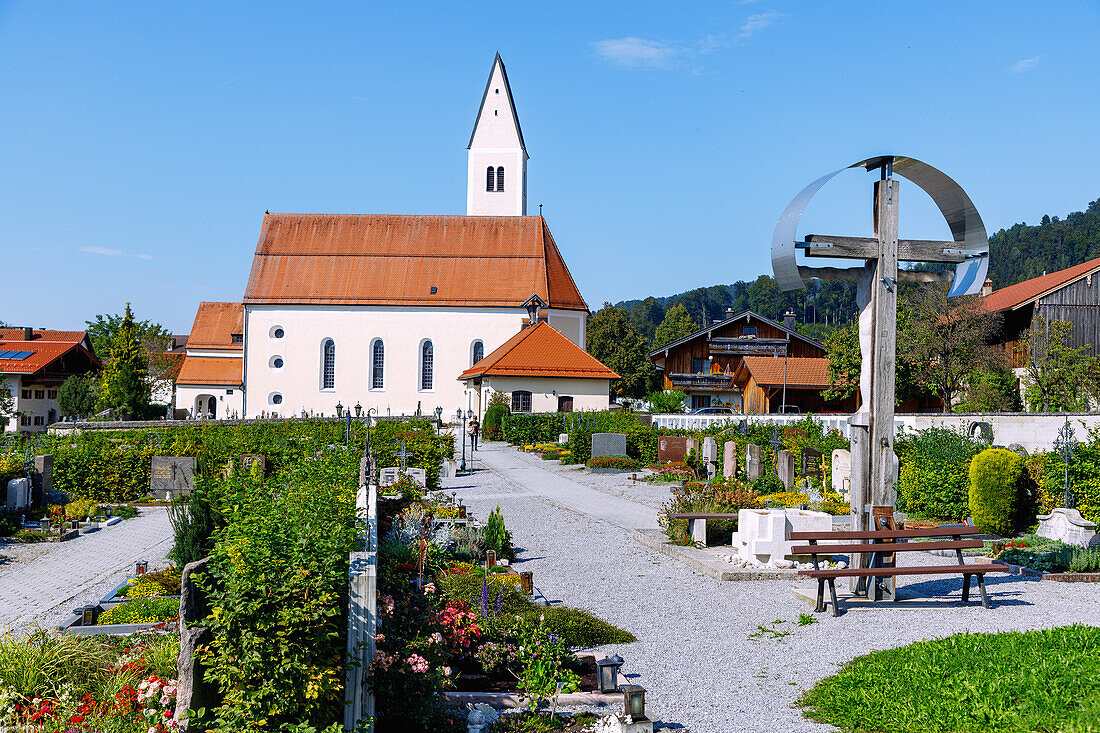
x=934, y=478
x=532, y=428
x=996, y=489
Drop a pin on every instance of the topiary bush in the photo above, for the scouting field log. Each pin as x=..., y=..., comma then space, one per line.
x=497, y=538
x=996, y=490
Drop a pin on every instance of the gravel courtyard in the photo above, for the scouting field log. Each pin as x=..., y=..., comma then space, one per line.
x=696, y=654
x=41, y=583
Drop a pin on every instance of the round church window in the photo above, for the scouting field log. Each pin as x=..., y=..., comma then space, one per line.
x=276, y=398
x=277, y=332
x=276, y=362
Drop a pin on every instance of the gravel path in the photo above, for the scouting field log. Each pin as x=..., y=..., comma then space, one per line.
x=696, y=654
x=40, y=584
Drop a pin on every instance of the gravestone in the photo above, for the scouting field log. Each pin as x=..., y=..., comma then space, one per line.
x=42, y=481
x=729, y=459
x=608, y=444
x=784, y=467
x=563, y=438
x=842, y=472
x=19, y=493
x=388, y=476
x=419, y=475
x=754, y=467
x=811, y=462
x=1068, y=526
x=675, y=448
x=710, y=449
x=171, y=477
x=192, y=691
x=248, y=460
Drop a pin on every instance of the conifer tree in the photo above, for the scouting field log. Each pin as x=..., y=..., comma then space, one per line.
x=124, y=386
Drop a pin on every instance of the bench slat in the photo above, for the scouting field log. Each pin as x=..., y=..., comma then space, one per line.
x=885, y=533
x=864, y=548
x=702, y=516
x=913, y=570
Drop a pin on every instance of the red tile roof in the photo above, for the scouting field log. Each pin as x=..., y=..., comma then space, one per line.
x=800, y=371
x=214, y=325
x=1021, y=293
x=398, y=260
x=541, y=351
x=212, y=370
x=46, y=347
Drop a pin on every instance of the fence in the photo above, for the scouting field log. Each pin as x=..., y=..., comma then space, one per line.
x=1034, y=431
x=362, y=601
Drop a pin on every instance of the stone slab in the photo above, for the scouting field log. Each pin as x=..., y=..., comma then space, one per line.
x=729, y=459
x=608, y=444
x=706, y=562
x=841, y=467
x=754, y=465
x=171, y=476
x=675, y=448
x=784, y=467
x=1068, y=526
x=710, y=449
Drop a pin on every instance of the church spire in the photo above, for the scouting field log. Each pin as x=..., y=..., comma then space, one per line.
x=496, y=178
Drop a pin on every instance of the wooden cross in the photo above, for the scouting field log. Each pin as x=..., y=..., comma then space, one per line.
x=871, y=428
x=401, y=454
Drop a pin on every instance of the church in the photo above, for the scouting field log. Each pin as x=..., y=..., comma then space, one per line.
x=387, y=311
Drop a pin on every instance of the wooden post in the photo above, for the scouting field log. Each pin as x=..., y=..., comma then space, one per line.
x=886, y=317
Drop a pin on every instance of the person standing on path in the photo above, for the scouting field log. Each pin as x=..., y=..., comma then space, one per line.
x=473, y=428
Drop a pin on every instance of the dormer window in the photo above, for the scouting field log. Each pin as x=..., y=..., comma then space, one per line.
x=237, y=338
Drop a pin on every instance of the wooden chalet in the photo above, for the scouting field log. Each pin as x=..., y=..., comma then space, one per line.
x=1071, y=295
x=706, y=364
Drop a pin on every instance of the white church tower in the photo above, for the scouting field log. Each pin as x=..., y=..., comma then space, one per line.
x=496, y=177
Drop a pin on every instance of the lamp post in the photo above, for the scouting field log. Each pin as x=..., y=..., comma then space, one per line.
x=460, y=414
x=438, y=420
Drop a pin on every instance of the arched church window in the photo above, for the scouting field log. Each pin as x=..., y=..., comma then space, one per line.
x=500, y=178
x=477, y=353
x=328, y=364
x=490, y=179
x=427, y=359
x=378, y=359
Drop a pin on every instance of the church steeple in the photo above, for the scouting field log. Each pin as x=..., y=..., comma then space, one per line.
x=496, y=178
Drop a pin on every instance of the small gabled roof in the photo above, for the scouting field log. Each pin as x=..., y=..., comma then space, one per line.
x=715, y=326
x=19, y=356
x=215, y=324
x=1020, y=294
x=540, y=351
x=511, y=103
x=794, y=371
x=212, y=371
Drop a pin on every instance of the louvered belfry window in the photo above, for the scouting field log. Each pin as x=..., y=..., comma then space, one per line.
x=479, y=353
x=378, y=360
x=490, y=179
x=500, y=178
x=328, y=365
x=426, y=366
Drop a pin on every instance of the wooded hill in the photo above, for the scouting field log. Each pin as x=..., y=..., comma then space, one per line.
x=1018, y=253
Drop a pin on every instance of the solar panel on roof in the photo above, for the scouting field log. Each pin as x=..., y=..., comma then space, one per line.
x=15, y=355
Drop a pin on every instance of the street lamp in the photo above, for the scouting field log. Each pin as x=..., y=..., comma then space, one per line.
x=438, y=419
x=461, y=415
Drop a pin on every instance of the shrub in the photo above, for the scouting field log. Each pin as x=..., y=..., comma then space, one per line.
x=492, y=427
x=667, y=401
x=768, y=484
x=529, y=428
x=785, y=498
x=9, y=523
x=933, y=480
x=497, y=537
x=996, y=490
x=81, y=509
x=193, y=525
x=697, y=497
x=618, y=462
x=144, y=588
x=579, y=628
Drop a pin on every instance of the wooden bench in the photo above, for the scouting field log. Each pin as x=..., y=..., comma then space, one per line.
x=697, y=524
x=881, y=546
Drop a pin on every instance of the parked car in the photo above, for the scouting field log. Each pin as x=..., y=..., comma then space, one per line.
x=790, y=409
x=714, y=411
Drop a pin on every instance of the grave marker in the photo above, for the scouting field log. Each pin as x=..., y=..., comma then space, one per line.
x=811, y=462
x=754, y=467
x=842, y=472
x=675, y=448
x=248, y=460
x=784, y=467
x=729, y=459
x=171, y=477
x=608, y=444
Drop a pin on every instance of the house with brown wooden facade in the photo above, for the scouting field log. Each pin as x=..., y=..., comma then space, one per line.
x=748, y=362
x=1072, y=295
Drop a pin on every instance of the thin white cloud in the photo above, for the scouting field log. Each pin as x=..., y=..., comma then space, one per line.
x=759, y=22
x=114, y=253
x=637, y=53
x=1025, y=65
x=103, y=251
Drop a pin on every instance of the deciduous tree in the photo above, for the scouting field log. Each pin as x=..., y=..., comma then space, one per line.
x=611, y=339
x=1056, y=371
x=677, y=324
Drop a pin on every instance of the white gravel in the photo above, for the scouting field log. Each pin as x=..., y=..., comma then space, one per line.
x=695, y=655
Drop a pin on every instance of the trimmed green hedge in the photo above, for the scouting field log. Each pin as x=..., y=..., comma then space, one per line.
x=620, y=462
x=532, y=428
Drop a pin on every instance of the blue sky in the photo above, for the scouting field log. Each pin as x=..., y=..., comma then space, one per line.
x=140, y=143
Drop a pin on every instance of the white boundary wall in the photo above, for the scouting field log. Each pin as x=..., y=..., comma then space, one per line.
x=1034, y=431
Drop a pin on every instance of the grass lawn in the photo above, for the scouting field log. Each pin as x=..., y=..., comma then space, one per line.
x=1046, y=680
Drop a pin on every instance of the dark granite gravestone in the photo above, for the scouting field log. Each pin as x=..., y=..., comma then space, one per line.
x=608, y=444
x=675, y=448
x=811, y=462
x=172, y=476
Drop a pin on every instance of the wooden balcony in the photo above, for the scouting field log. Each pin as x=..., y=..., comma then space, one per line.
x=762, y=346
x=695, y=382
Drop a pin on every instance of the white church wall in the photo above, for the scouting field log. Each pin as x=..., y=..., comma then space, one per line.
x=570, y=324
x=354, y=330
x=587, y=394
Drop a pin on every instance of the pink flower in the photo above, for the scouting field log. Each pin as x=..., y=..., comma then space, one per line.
x=418, y=663
x=447, y=671
x=429, y=588
x=436, y=638
x=379, y=638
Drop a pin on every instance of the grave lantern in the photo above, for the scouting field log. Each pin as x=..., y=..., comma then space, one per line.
x=490, y=558
x=634, y=701
x=141, y=567
x=108, y=511
x=527, y=582
x=88, y=615
x=607, y=673
x=461, y=510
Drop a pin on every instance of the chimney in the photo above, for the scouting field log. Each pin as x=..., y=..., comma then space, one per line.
x=788, y=319
x=987, y=287
x=28, y=334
